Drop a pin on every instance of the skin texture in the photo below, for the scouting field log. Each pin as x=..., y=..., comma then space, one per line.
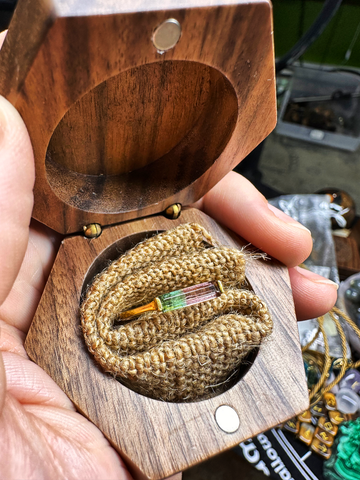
x=41, y=434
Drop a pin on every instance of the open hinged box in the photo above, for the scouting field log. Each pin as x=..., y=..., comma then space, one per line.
x=131, y=108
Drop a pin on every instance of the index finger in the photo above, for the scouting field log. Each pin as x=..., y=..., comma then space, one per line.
x=236, y=203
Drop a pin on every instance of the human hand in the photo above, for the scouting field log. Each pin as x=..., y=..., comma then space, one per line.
x=236, y=203
x=41, y=434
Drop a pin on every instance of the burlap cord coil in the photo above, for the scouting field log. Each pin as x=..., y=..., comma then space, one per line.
x=182, y=354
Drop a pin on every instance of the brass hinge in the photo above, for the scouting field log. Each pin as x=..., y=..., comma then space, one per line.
x=93, y=230
x=173, y=212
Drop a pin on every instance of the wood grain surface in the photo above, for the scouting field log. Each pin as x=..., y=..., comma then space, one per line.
x=121, y=138
x=347, y=256
x=158, y=438
x=29, y=26
x=122, y=131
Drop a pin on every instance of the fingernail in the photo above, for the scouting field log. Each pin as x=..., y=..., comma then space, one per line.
x=286, y=219
x=327, y=282
x=299, y=225
x=314, y=277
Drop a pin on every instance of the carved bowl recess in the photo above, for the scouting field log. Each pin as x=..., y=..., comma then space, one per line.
x=162, y=124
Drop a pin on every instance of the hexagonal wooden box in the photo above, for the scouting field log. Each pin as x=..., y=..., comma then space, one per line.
x=120, y=131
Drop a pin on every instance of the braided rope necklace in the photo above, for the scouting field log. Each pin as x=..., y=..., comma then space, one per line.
x=182, y=354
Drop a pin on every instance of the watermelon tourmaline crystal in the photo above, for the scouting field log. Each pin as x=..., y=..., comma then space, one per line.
x=190, y=296
x=178, y=299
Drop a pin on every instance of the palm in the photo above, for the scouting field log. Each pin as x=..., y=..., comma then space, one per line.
x=42, y=436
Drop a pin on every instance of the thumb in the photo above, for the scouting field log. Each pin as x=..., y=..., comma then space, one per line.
x=16, y=196
x=2, y=384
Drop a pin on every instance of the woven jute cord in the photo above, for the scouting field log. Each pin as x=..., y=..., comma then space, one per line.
x=183, y=354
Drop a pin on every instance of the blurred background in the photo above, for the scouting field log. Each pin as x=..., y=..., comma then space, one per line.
x=292, y=18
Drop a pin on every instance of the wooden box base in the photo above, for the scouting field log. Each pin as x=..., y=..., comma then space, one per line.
x=157, y=438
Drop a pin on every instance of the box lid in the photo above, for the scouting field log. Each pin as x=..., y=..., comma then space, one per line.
x=122, y=129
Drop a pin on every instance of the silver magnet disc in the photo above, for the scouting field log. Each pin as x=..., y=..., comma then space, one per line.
x=227, y=419
x=167, y=35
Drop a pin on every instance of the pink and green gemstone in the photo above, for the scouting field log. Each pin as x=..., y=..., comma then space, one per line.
x=190, y=296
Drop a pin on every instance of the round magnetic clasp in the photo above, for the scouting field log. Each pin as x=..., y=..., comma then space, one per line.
x=166, y=35
x=227, y=419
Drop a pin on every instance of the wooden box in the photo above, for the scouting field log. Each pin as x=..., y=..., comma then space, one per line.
x=132, y=107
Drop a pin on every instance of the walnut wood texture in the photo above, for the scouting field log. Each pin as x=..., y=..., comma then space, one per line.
x=161, y=438
x=355, y=233
x=120, y=138
x=347, y=256
x=121, y=131
x=29, y=26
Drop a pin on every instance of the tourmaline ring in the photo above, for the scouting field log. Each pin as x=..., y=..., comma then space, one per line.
x=202, y=292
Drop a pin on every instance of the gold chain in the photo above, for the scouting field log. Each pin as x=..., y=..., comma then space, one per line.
x=335, y=314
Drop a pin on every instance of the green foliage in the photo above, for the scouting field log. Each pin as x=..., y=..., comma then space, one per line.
x=294, y=17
